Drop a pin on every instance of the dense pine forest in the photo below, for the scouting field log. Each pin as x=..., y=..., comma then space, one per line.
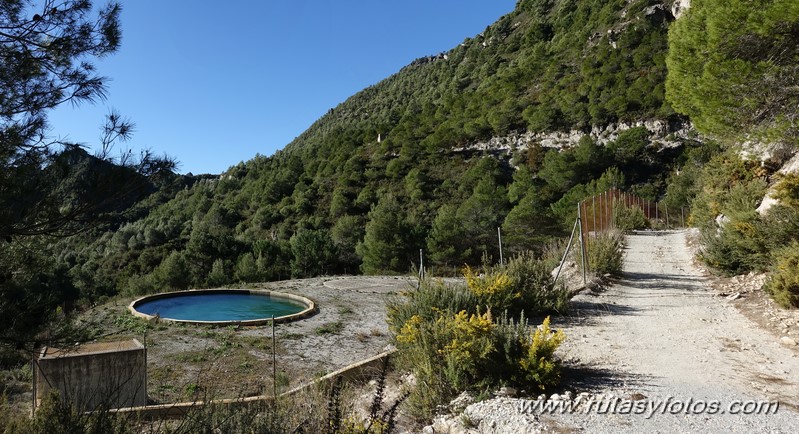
x=394, y=168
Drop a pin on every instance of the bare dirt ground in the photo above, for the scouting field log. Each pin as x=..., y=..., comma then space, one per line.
x=662, y=334
x=188, y=362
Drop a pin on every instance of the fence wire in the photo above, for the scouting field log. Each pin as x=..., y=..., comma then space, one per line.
x=597, y=212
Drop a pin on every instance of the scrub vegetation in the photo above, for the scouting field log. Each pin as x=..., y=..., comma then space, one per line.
x=476, y=336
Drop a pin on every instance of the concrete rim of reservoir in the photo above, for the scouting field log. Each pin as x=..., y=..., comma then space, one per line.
x=310, y=306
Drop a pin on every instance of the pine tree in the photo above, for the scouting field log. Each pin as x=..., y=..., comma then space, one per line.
x=218, y=275
x=482, y=213
x=314, y=253
x=447, y=243
x=173, y=273
x=527, y=225
x=246, y=269
x=732, y=68
x=384, y=247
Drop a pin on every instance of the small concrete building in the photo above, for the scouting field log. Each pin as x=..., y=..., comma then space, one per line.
x=97, y=375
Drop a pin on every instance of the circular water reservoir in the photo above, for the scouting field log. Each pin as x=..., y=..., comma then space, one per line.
x=223, y=306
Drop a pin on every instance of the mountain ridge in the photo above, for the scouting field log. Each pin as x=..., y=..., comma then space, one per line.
x=524, y=32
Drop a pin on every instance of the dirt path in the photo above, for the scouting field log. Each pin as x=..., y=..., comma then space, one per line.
x=660, y=335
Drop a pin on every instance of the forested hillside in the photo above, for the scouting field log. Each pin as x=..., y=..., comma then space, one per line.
x=380, y=177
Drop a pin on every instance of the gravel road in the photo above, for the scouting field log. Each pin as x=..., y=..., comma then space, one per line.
x=657, y=337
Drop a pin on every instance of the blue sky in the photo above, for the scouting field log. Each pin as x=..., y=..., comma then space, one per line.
x=212, y=84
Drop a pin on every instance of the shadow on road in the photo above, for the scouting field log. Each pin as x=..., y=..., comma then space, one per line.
x=663, y=281
x=585, y=312
x=582, y=378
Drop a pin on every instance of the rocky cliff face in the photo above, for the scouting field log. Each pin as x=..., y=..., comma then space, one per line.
x=780, y=155
x=790, y=167
x=662, y=133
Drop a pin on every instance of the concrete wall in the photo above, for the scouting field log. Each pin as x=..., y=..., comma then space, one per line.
x=95, y=379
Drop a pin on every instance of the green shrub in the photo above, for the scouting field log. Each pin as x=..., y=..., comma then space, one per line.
x=740, y=244
x=424, y=301
x=629, y=218
x=732, y=187
x=331, y=328
x=787, y=190
x=305, y=412
x=780, y=226
x=531, y=277
x=783, y=283
x=605, y=253
x=738, y=247
x=55, y=415
x=728, y=185
x=458, y=351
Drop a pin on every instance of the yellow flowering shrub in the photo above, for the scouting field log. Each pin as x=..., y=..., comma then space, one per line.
x=488, y=284
x=452, y=341
x=538, y=364
x=410, y=330
x=494, y=289
x=470, y=337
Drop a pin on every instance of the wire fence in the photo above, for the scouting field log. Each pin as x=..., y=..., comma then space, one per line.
x=598, y=212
